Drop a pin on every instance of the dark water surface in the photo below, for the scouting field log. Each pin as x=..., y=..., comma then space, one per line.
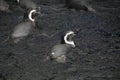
x=97, y=52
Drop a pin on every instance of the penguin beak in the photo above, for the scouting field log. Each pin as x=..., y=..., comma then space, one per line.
x=38, y=10
x=74, y=34
x=38, y=13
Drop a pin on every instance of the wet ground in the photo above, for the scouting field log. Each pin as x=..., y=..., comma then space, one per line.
x=97, y=52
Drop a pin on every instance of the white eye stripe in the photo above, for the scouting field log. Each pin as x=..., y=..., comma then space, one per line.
x=30, y=15
x=69, y=42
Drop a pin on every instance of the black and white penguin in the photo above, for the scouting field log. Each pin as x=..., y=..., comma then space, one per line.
x=4, y=6
x=24, y=28
x=59, y=51
x=28, y=5
x=80, y=5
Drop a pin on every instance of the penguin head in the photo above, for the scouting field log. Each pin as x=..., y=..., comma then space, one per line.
x=67, y=38
x=32, y=14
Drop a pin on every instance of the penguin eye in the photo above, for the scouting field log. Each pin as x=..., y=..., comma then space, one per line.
x=69, y=38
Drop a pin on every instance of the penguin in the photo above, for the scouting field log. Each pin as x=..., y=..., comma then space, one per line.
x=4, y=6
x=84, y=5
x=59, y=51
x=24, y=28
x=28, y=5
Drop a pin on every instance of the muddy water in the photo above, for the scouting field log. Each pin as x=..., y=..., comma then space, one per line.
x=97, y=52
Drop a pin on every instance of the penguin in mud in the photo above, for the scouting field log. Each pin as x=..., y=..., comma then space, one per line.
x=24, y=28
x=4, y=6
x=28, y=5
x=84, y=5
x=59, y=51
